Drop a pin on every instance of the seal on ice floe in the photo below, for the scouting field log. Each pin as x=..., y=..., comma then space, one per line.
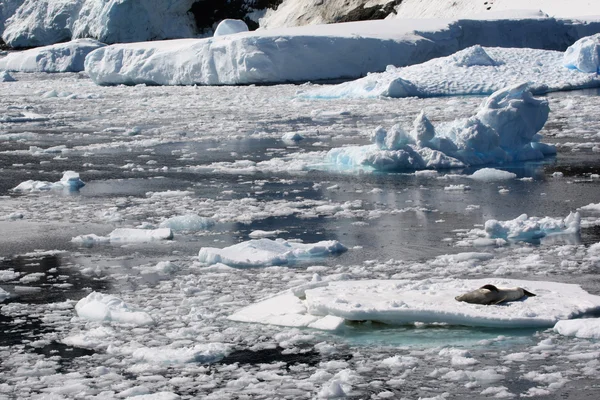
x=490, y=294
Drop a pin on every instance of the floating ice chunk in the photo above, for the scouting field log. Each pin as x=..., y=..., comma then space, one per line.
x=258, y=234
x=524, y=228
x=132, y=235
x=423, y=131
x=103, y=307
x=492, y=175
x=475, y=55
x=587, y=328
x=4, y=294
x=230, y=27
x=291, y=137
x=201, y=353
x=156, y=396
x=188, y=222
x=89, y=240
x=428, y=301
x=69, y=181
x=584, y=55
x=264, y=252
x=457, y=188
x=62, y=57
x=6, y=77
x=591, y=207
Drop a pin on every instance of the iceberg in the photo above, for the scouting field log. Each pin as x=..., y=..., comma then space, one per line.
x=503, y=130
x=62, y=57
x=103, y=307
x=321, y=52
x=70, y=181
x=472, y=71
x=400, y=302
x=188, y=222
x=265, y=252
x=584, y=55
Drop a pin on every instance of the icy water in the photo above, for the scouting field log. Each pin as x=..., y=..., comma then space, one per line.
x=129, y=143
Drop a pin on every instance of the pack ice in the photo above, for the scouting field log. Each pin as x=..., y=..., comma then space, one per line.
x=69, y=181
x=103, y=307
x=478, y=70
x=125, y=236
x=401, y=302
x=62, y=57
x=265, y=252
x=503, y=130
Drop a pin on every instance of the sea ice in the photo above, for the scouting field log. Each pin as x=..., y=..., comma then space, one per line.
x=586, y=328
x=103, y=307
x=125, y=236
x=503, y=130
x=492, y=175
x=188, y=222
x=69, y=181
x=265, y=252
x=62, y=57
x=584, y=55
x=230, y=27
x=524, y=228
x=4, y=294
x=475, y=70
x=427, y=301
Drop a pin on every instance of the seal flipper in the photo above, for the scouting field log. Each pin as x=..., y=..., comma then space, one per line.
x=490, y=287
x=493, y=303
x=528, y=293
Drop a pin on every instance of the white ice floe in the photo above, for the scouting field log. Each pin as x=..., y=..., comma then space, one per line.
x=259, y=234
x=475, y=70
x=62, y=57
x=291, y=137
x=69, y=181
x=4, y=294
x=503, y=130
x=188, y=222
x=230, y=27
x=125, y=236
x=594, y=207
x=265, y=252
x=317, y=52
x=106, y=308
x=584, y=55
x=524, y=228
x=492, y=175
x=200, y=353
x=426, y=301
x=586, y=328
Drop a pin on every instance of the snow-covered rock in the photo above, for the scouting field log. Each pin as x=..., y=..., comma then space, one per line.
x=584, y=55
x=427, y=301
x=62, y=57
x=503, y=130
x=265, y=252
x=475, y=70
x=230, y=27
x=103, y=307
x=69, y=181
x=318, y=52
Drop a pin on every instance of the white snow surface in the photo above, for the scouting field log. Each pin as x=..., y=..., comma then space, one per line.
x=585, y=328
x=475, y=70
x=427, y=301
x=69, y=181
x=503, y=130
x=318, y=52
x=62, y=57
x=265, y=252
x=103, y=307
x=230, y=27
x=584, y=55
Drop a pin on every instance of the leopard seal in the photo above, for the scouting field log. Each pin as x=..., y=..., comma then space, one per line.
x=490, y=295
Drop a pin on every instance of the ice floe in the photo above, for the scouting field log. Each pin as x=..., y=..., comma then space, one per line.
x=492, y=175
x=125, y=236
x=265, y=252
x=427, y=301
x=586, y=328
x=188, y=222
x=584, y=55
x=503, y=130
x=62, y=57
x=103, y=307
x=524, y=228
x=69, y=181
x=475, y=70
x=319, y=52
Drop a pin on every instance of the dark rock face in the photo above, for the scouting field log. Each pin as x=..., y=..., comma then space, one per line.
x=362, y=13
x=207, y=13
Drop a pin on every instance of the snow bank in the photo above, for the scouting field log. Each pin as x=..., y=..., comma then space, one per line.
x=524, y=228
x=69, y=181
x=125, y=236
x=587, y=328
x=265, y=252
x=503, y=130
x=230, y=27
x=317, y=52
x=475, y=70
x=102, y=307
x=62, y=57
x=188, y=222
x=427, y=301
x=584, y=55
